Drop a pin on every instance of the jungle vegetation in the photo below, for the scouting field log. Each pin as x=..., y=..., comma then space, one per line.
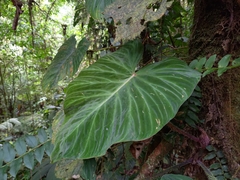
x=114, y=89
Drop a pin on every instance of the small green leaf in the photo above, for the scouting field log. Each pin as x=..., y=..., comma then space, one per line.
x=1, y=157
x=20, y=146
x=9, y=152
x=79, y=53
x=223, y=161
x=217, y=172
x=220, y=154
x=210, y=156
x=48, y=148
x=15, y=166
x=28, y=160
x=65, y=63
x=236, y=62
x=194, y=108
x=175, y=177
x=193, y=64
x=224, y=61
x=39, y=152
x=215, y=166
x=31, y=141
x=209, y=71
x=209, y=63
x=195, y=101
x=201, y=62
x=3, y=172
x=42, y=135
x=192, y=115
x=220, y=71
x=190, y=122
x=225, y=168
x=210, y=148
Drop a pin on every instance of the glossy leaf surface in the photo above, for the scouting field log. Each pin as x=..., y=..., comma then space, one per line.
x=111, y=102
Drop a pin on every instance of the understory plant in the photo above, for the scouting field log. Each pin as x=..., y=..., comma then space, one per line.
x=122, y=88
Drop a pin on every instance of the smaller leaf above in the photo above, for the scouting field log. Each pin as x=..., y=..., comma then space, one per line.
x=128, y=16
x=65, y=63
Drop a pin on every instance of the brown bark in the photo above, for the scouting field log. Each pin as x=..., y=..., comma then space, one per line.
x=159, y=152
x=216, y=30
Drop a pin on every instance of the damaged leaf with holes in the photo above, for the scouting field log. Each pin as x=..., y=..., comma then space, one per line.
x=130, y=17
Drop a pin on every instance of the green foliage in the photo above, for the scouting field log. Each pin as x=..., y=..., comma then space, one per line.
x=23, y=153
x=66, y=62
x=190, y=109
x=219, y=168
x=208, y=173
x=222, y=65
x=96, y=7
x=153, y=93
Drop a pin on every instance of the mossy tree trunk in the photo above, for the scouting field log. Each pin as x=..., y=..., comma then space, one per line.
x=216, y=30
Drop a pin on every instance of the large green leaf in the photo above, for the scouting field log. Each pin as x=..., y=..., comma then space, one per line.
x=66, y=62
x=111, y=102
x=96, y=7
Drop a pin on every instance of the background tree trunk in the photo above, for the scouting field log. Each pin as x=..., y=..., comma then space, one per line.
x=216, y=30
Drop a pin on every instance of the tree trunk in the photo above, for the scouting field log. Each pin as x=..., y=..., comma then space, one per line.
x=216, y=30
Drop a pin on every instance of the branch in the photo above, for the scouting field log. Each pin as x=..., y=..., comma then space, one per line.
x=159, y=152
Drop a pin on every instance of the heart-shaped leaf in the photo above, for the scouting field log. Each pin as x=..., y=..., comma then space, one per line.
x=66, y=62
x=111, y=102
